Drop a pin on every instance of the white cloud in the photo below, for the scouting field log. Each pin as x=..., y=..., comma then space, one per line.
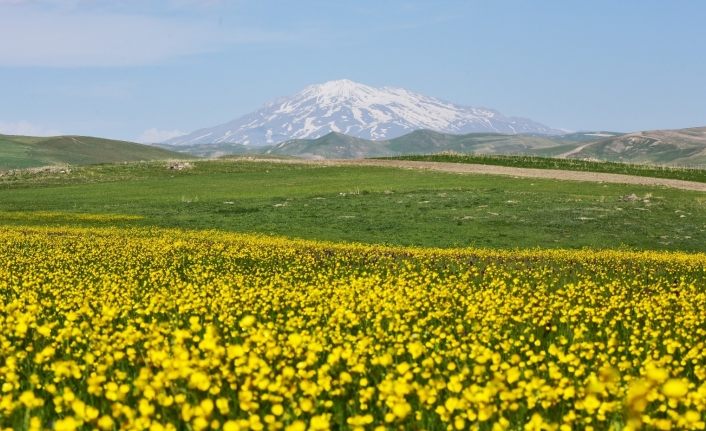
x=154, y=136
x=26, y=128
x=73, y=38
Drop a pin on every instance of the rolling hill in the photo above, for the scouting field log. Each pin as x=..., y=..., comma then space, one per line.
x=337, y=145
x=29, y=151
x=682, y=147
x=340, y=146
x=671, y=147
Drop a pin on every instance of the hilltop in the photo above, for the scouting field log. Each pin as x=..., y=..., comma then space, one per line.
x=30, y=151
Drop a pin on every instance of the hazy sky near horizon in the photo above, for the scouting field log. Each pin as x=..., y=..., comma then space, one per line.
x=145, y=70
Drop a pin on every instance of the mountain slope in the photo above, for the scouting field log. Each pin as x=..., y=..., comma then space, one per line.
x=28, y=151
x=360, y=111
x=678, y=147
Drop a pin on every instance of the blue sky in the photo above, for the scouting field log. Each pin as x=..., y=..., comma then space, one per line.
x=142, y=70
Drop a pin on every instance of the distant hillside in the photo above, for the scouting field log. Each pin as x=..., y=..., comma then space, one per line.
x=331, y=146
x=337, y=145
x=28, y=151
x=677, y=147
x=426, y=141
x=212, y=150
x=684, y=147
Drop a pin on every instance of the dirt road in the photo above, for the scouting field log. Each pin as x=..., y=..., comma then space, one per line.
x=464, y=168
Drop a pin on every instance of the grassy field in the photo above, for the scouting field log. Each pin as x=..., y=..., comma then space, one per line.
x=644, y=170
x=365, y=204
x=138, y=296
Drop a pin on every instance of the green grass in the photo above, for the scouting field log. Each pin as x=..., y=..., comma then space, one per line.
x=365, y=204
x=688, y=174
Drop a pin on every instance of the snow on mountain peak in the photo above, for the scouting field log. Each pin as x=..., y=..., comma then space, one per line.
x=359, y=110
x=338, y=88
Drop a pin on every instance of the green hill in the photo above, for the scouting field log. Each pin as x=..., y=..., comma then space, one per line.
x=683, y=147
x=340, y=146
x=427, y=141
x=18, y=152
x=331, y=146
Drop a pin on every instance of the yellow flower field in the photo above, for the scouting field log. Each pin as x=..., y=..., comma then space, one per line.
x=164, y=329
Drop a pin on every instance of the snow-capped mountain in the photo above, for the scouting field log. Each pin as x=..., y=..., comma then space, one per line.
x=357, y=110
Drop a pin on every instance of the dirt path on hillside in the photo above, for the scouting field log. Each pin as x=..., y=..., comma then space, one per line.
x=574, y=151
x=464, y=168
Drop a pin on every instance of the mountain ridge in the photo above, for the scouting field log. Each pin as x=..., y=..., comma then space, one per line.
x=357, y=110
